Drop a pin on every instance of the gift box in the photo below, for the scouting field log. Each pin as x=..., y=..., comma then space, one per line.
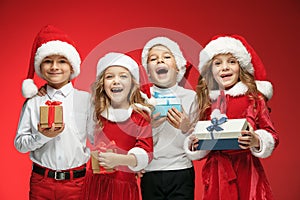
x=97, y=169
x=51, y=113
x=164, y=104
x=219, y=134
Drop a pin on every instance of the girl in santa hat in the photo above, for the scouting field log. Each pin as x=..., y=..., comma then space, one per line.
x=124, y=127
x=233, y=80
x=59, y=154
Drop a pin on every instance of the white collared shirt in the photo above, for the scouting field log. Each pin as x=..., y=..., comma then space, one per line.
x=68, y=149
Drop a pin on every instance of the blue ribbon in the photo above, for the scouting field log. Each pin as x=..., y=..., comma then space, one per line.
x=215, y=125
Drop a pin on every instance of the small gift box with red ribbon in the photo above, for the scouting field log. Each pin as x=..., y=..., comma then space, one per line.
x=101, y=147
x=219, y=134
x=51, y=113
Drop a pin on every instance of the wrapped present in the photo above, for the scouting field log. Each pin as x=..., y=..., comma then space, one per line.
x=101, y=147
x=219, y=134
x=163, y=104
x=51, y=113
x=97, y=169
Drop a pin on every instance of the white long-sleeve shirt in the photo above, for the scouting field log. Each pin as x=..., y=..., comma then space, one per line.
x=68, y=149
x=168, y=141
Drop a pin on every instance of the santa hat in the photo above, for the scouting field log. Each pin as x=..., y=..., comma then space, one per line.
x=120, y=59
x=49, y=41
x=173, y=47
x=244, y=53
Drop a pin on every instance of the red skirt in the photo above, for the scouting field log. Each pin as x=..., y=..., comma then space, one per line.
x=111, y=186
x=235, y=175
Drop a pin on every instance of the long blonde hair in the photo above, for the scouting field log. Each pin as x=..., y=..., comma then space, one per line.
x=102, y=102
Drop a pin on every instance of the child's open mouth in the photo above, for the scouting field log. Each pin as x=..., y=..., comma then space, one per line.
x=161, y=70
x=224, y=76
x=116, y=90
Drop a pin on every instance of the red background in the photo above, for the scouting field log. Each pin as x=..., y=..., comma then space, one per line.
x=272, y=27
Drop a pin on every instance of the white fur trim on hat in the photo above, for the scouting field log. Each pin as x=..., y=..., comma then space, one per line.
x=58, y=47
x=224, y=45
x=173, y=47
x=118, y=59
x=141, y=157
x=193, y=155
x=267, y=144
x=29, y=89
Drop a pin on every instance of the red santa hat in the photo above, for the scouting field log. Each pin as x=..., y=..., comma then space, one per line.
x=173, y=47
x=244, y=53
x=49, y=41
x=120, y=59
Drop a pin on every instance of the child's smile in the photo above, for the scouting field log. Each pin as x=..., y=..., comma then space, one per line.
x=56, y=70
x=116, y=90
x=225, y=70
x=162, y=67
x=117, y=86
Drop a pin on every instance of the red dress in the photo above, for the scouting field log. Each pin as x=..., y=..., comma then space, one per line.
x=122, y=183
x=238, y=174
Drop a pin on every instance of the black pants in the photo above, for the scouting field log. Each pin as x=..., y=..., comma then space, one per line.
x=168, y=185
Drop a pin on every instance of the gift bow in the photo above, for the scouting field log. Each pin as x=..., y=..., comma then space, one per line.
x=51, y=111
x=103, y=146
x=52, y=103
x=215, y=125
x=159, y=95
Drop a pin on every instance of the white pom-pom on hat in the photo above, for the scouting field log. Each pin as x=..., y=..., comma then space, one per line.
x=29, y=89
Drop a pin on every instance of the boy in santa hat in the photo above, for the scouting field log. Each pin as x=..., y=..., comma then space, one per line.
x=170, y=175
x=59, y=154
x=233, y=82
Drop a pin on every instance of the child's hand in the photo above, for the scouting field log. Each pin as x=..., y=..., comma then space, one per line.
x=42, y=91
x=140, y=173
x=51, y=132
x=156, y=121
x=249, y=139
x=194, y=142
x=109, y=160
x=179, y=120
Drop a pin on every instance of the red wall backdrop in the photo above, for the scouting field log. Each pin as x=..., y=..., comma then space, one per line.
x=272, y=27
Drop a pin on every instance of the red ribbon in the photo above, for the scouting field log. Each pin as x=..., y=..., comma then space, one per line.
x=51, y=111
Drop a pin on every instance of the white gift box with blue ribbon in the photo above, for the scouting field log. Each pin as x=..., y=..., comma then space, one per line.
x=164, y=103
x=219, y=134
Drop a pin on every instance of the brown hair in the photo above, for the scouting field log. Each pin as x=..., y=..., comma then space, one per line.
x=101, y=101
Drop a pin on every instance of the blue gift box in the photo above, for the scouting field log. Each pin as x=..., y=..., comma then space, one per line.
x=164, y=104
x=214, y=136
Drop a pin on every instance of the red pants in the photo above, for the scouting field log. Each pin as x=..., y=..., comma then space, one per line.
x=45, y=188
